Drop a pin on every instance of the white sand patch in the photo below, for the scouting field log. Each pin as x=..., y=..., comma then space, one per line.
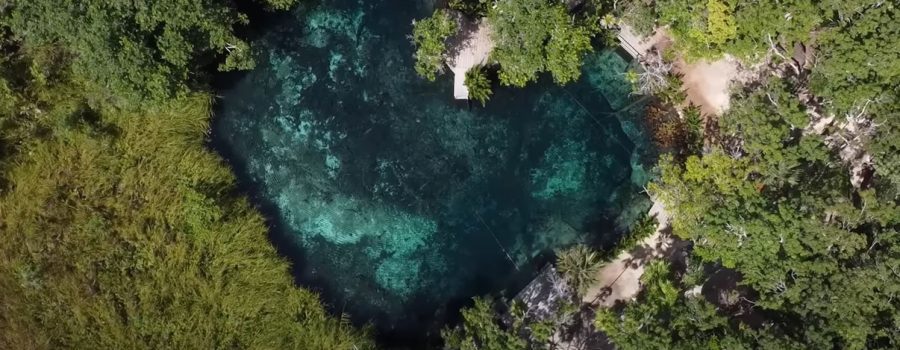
x=708, y=84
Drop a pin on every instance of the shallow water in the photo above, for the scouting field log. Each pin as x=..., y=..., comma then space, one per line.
x=396, y=202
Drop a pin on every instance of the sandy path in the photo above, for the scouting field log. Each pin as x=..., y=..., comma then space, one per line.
x=620, y=279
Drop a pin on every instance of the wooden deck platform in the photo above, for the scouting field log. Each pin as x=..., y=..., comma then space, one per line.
x=470, y=48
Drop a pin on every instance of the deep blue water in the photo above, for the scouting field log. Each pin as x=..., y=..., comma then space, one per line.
x=399, y=204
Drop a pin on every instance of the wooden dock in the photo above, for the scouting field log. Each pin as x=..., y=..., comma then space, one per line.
x=471, y=48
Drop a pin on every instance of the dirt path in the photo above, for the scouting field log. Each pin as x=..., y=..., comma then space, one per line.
x=620, y=279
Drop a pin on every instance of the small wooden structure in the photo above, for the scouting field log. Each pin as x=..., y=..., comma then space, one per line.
x=544, y=299
x=470, y=47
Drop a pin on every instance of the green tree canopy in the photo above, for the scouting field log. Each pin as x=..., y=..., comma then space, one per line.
x=771, y=201
x=430, y=37
x=119, y=233
x=859, y=60
x=780, y=211
x=709, y=28
x=579, y=265
x=534, y=36
x=482, y=329
x=135, y=50
x=120, y=229
x=664, y=319
x=857, y=73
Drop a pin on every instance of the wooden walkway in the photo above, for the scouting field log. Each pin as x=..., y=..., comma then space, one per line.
x=626, y=42
x=473, y=49
x=638, y=45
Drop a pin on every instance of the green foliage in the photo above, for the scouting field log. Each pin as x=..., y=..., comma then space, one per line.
x=709, y=28
x=534, y=36
x=642, y=229
x=746, y=29
x=773, y=202
x=784, y=216
x=488, y=326
x=886, y=151
x=474, y=8
x=664, y=319
x=126, y=220
x=768, y=122
x=693, y=122
x=430, y=36
x=640, y=15
x=691, y=21
x=542, y=332
x=720, y=26
x=633, y=78
x=132, y=51
x=858, y=71
x=121, y=230
x=579, y=265
x=33, y=97
x=786, y=22
x=482, y=330
x=478, y=84
x=859, y=61
x=673, y=93
x=277, y=4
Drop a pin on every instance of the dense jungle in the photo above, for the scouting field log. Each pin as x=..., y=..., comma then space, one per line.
x=462, y=174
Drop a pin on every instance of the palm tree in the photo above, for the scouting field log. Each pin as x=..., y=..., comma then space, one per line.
x=479, y=85
x=580, y=266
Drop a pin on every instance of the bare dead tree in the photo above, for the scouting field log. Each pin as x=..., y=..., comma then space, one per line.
x=654, y=77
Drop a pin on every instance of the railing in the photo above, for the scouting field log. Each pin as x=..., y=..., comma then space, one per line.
x=628, y=47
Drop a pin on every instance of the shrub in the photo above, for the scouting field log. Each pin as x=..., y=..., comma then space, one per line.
x=666, y=129
x=127, y=222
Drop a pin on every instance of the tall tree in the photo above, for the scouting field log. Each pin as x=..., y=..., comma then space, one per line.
x=857, y=73
x=534, y=36
x=430, y=37
x=780, y=211
x=135, y=50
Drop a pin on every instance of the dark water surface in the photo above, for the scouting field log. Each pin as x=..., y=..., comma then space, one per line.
x=399, y=204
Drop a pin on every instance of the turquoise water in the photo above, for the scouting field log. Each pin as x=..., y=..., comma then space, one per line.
x=399, y=204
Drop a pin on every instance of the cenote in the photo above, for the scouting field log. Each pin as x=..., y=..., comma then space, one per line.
x=397, y=203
